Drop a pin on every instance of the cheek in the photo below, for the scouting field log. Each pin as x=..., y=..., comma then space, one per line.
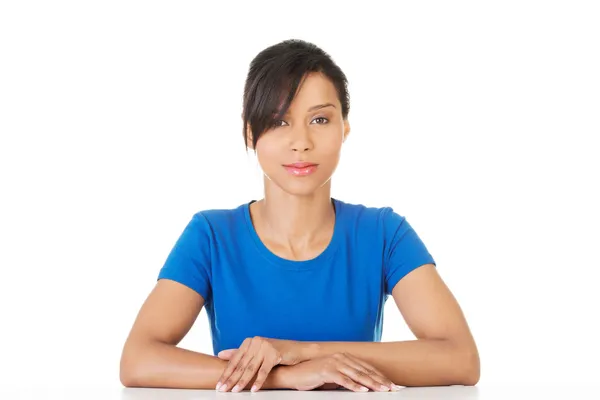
x=268, y=152
x=331, y=144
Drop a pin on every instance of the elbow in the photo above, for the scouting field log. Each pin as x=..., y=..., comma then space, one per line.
x=127, y=373
x=129, y=377
x=470, y=371
x=131, y=369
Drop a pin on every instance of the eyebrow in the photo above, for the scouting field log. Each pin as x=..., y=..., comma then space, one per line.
x=319, y=106
x=313, y=108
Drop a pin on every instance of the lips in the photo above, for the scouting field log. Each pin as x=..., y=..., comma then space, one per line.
x=301, y=168
x=300, y=165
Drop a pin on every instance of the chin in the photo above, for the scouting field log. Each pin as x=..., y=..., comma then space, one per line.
x=301, y=186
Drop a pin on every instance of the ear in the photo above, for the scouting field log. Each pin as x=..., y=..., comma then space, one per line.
x=346, y=130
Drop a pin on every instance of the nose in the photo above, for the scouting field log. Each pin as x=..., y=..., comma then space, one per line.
x=300, y=140
x=299, y=148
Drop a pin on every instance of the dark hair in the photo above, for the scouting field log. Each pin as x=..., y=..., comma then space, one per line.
x=277, y=72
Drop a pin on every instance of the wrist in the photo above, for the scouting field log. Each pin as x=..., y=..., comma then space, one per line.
x=308, y=351
x=279, y=378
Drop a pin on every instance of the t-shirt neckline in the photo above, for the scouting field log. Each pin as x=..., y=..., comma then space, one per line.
x=326, y=254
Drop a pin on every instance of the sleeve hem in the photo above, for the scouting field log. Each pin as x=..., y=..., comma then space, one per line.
x=186, y=281
x=401, y=273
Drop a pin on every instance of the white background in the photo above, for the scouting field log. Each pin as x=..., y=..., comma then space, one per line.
x=479, y=122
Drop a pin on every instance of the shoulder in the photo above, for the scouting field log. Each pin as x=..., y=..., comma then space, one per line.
x=218, y=220
x=381, y=218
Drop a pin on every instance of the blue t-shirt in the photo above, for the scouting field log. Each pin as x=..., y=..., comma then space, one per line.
x=337, y=296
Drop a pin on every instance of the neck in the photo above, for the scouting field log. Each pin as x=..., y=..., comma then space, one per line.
x=289, y=218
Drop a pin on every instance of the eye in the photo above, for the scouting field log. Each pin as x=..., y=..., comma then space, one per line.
x=322, y=119
x=278, y=123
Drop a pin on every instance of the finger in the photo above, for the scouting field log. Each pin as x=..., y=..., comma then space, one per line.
x=360, y=376
x=372, y=368
x=232, y=365
x=263, y=372
x=345, y=381
x=227, y=354
x=229, y=369
x=248, y=371
x=376, y=373
x=253, y=352
x=237, y=373
x=365, y=364
x=371, y=371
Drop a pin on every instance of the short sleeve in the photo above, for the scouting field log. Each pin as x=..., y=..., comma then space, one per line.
x=403, y=250
x=189, y=260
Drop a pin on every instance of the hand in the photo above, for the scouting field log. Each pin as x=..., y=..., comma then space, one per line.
x=255, y=354
x=340, y=369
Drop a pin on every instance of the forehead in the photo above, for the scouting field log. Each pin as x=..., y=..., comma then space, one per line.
x=315, y=89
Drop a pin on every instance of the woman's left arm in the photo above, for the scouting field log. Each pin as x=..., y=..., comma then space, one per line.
x=444, y=352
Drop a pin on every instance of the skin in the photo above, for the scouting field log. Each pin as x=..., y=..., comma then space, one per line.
x=295, y=220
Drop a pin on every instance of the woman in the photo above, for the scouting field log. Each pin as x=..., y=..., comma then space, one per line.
x=295, y=284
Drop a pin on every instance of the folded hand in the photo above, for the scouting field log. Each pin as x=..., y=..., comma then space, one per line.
x=256, y=355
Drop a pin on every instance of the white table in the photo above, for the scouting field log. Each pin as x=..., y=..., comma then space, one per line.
x=508, y=392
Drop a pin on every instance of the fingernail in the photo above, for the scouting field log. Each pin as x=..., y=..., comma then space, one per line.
x=223, y=388
x=385, y=388
x=396, y=387
x=364, y=389
x=236, y=388
x=218, y=386
x=254, y=388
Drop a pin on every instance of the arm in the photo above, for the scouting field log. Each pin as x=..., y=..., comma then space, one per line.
x=151, y=358
x=444, y=352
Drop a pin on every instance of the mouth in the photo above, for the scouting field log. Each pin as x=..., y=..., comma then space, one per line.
x=301, y=168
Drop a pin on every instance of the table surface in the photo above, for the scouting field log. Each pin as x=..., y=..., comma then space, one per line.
x=425, y=393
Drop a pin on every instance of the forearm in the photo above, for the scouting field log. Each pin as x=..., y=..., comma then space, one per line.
x=424, y=362
x=166, y=366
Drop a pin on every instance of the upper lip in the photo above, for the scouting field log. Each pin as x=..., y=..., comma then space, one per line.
x=300, y=165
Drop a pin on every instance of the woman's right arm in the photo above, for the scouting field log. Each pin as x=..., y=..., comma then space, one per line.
x=150, y=356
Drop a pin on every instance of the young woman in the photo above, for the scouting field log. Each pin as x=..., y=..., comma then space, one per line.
x=294, y=284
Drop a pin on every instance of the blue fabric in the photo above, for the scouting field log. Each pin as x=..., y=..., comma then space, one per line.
x=337, y=296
